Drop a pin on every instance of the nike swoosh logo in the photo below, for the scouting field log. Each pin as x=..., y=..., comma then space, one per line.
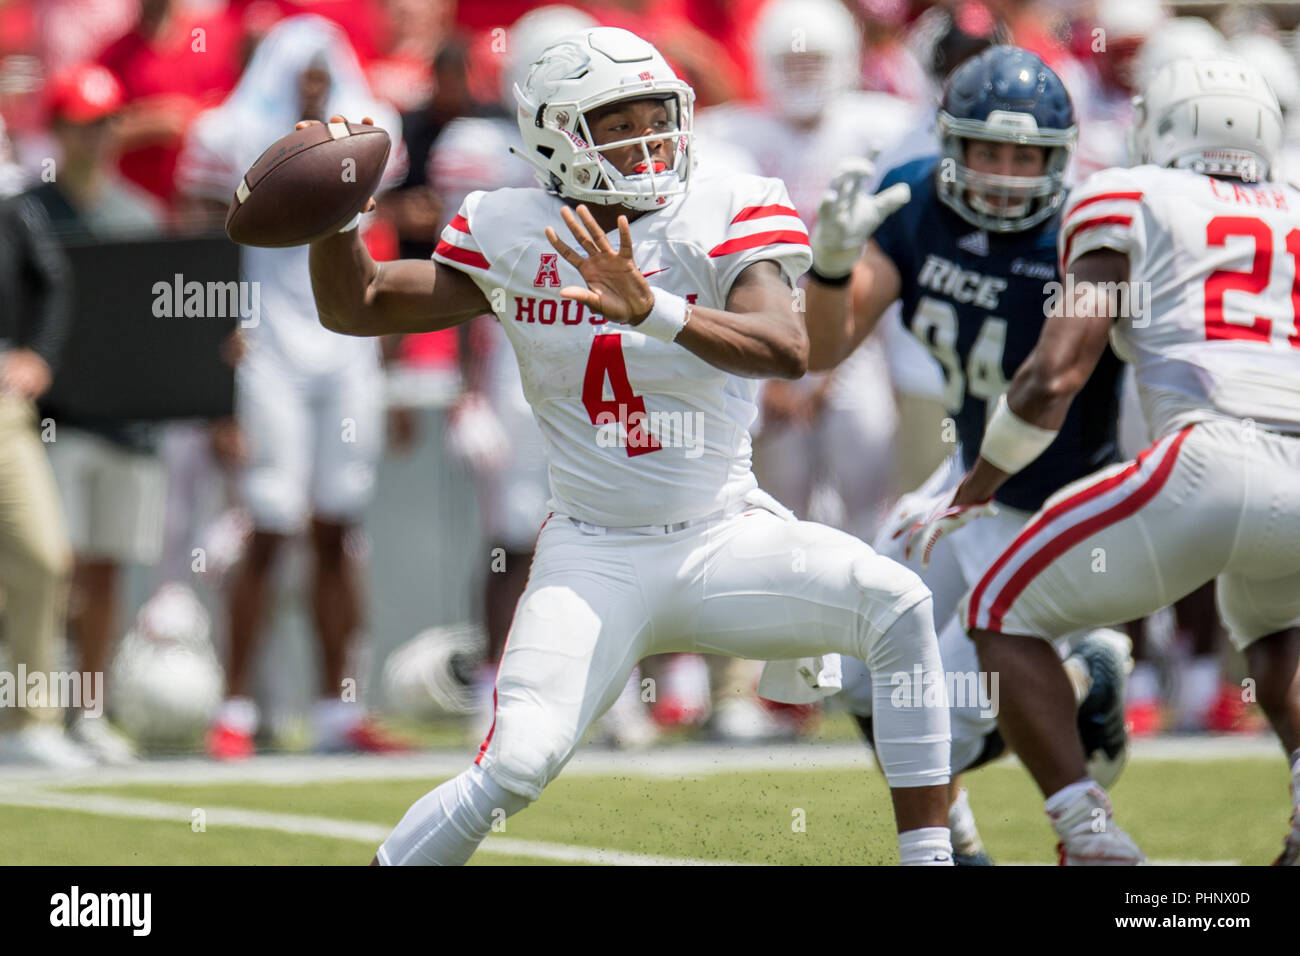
x=654, y=272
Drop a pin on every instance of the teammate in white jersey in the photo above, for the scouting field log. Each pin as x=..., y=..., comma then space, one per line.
x=309, y=402
x=639, y=363
x=1210, y=249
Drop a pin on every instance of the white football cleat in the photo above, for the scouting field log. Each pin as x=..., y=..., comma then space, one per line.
x=102, y=742
x=1090, y=836
x=43, y=745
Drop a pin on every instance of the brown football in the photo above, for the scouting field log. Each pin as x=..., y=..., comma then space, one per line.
x=308, y=184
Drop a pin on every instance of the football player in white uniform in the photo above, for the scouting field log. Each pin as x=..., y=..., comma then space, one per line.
x=639, y=360
x=1003, y=111
x=491, y=427
x=310, y=404
x=1210, y=247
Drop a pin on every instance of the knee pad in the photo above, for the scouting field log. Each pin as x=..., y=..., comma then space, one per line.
x=910, y=707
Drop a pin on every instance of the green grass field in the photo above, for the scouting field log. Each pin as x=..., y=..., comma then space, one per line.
x=1231, y=809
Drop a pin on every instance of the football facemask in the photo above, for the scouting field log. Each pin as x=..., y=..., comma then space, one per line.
x=581, y=74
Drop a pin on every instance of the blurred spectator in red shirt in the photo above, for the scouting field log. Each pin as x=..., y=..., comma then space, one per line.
x=362, y=20
x=76, y=31
x=171, y=65
x=1043, y=28
x=697, y=58
x=888, y=63
x=416, y=31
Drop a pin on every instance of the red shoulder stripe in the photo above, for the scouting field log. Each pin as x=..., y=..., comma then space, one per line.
x=1090, y=224
x=464, y=256
x=762, y=212
x=1103, y=197
x=759, y=239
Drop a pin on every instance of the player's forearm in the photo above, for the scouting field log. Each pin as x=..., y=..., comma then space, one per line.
x=357, y=296
x=828, y=316
x=1036, y=405
x=341, y=274
x=750, y=344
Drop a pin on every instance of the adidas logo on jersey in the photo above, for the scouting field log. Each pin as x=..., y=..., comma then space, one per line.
x=960, y=285
x=977, y=243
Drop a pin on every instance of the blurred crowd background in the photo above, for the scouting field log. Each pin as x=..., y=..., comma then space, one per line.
x=253, y=576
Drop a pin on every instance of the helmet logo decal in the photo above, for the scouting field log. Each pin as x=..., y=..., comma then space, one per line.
x=564, y=61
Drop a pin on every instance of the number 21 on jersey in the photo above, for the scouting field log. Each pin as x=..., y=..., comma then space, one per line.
x=1217, y=232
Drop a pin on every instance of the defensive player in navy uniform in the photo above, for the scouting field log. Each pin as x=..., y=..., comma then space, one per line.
x=966, y=239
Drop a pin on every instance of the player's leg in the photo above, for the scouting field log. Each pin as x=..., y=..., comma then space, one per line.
x=35, y=564
x=272, y=413
x=1108, y=548
x=1276, y=659
x=1262, y=614
x=972, y=716
x=856, y=435
x=774, y=588
x=579, y=630
x=348, y=423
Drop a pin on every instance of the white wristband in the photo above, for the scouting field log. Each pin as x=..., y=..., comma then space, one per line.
x=1010, y=442
x=667, y=317
x=352, y=223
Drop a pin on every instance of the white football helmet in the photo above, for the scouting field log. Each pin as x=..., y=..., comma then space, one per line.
x=1176, y=39
x=529, y=36
x=809, y=52
x=1209, y=116
x=165, y=683
x=583, y=72
x=175, y=614
x=1271, y=59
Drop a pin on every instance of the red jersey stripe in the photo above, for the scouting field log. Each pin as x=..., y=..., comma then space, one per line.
x=464, y=256
x=1081, y=497
x=460, y=224
x=1090, y=224
x=759, y=239
x=761, y=212
x=1071, y=536
x=1103, y=197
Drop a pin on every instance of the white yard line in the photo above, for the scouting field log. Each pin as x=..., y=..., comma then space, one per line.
x=695, y=760
x=369, y=833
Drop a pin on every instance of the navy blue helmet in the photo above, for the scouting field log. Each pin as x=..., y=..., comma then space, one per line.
x=1006, y=95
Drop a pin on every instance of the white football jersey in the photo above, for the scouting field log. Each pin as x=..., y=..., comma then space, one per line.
x=637, y=431
x=1218, y=261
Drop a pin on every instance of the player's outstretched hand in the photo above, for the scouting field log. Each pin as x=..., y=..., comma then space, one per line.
x=849, y=214
x=924, y=533
x=615, y=287
x=336, y=118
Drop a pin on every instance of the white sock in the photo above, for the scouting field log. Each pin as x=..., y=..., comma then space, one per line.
x=1143, y=683
x=928, y=846
x=239, y=713
x=1064, y=798
x=446, y=825
x=332, y=718
x=961, y=824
